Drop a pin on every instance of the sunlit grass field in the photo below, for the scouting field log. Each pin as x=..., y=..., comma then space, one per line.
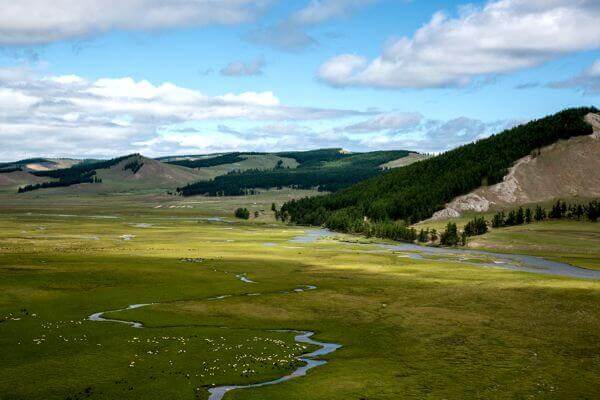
x=573, y=242
x=410, y=329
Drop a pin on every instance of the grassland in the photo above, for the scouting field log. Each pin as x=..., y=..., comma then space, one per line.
x=411, y=329
x=573, y=242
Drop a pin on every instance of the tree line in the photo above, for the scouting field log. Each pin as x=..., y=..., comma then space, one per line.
x=413, y=193
x=330, y=175
x=560, y=210
x=10, y=169
x=88, y=177
x=451, y=236
x=79, y=173
x=135, y=165
x=229, y=158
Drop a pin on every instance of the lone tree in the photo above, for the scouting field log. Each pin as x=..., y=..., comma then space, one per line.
x=242, y=213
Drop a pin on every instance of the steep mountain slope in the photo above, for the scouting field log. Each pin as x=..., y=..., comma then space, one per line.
x=565, y=169
x=416, y=192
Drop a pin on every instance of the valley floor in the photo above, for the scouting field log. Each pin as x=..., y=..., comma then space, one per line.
x=410, y=328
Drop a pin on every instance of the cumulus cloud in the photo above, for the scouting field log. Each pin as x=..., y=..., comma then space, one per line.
x=241, y=68
x=42, y=21
x=70, y=115
x=499, y=37
x=588, y=82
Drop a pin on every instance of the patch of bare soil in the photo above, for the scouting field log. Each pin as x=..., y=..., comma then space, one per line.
x=565, y=169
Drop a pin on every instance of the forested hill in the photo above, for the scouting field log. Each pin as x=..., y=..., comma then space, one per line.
x=415, y=192
x=324, y=169
x=79, y=173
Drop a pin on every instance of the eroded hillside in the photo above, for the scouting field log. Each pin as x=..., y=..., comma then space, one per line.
x=565, y=169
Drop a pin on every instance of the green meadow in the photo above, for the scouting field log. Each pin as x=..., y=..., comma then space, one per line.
x=410, y=329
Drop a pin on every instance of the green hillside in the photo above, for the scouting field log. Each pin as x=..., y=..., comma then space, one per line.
x=38, y=164
x=324, y=169
x=415, y=192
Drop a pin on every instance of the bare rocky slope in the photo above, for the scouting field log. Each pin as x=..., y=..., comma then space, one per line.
x=565, y=169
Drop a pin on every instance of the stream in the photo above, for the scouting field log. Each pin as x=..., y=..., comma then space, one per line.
x=310, y=360
x=515, y=262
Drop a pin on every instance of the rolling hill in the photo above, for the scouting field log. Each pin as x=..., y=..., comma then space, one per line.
x=415, y=192
x=234, y=171
x=324, y=169
x=39, y=164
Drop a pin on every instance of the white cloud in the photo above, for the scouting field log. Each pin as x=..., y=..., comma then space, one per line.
x=241, y=68
x=43, y=21
x=501, y=36
x=70, y=115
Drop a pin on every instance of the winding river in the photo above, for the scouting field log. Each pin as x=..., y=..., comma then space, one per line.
x=309, y=360
x=515, y=262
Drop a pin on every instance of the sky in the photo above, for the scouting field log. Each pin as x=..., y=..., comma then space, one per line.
x=103, y=78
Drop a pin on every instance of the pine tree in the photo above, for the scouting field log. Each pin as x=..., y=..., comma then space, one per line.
x=498, y=220
x=242, y=213
x=540, y=214
x=528, y=217
x=520, y=219
x=450, y=236
x=511, y=218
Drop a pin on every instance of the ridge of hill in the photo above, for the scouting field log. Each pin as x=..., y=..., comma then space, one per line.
x=415, y=192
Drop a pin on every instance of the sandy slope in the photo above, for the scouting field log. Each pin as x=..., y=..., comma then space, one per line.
x=565, y=169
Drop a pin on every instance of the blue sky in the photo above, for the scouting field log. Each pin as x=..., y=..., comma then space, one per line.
x=201, y=76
